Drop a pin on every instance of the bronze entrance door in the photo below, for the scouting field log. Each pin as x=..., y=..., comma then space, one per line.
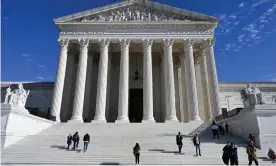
x=135, y=105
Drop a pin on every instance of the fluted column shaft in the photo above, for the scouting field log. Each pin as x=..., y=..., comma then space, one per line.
x=169, y=80
x=213, y=79
x=184, y=90
x=80, y=82
x=124, y=82
x=147, y=83
x=191, y=80
x=59, y=84
x=205, y=88
x=102, y=82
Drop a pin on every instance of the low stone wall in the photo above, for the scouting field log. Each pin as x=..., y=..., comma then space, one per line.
x=17, y=124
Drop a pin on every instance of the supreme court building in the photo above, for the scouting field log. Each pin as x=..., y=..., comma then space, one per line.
x=136, y=61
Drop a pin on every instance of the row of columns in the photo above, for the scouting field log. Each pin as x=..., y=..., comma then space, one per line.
x=189, y=89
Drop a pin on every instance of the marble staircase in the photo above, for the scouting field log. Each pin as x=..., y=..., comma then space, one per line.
x=111, y=144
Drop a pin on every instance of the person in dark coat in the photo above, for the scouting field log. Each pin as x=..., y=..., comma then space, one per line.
x=136, y=153
x=76, y=140
x=234, y=154
x=227, y=127
x=179, y=142
x=226, y=153
x=196, y=142
x=271, y=154
x=221, y=129
x=252, y=155
x=69, y=140
x=86, y=140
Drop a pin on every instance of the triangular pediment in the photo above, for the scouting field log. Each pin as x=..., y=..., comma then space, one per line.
x=135, y=10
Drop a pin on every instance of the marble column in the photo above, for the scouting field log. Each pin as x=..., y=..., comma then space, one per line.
x=147, y=83
x=123, y=82
x=108, y=85
x=169, y=80
x=80, y=82
x=205, y=89
x=191, y=80
x=184, y=90
x=59, y=84
x=102, y=82
x=212, y=78
x=163, y=91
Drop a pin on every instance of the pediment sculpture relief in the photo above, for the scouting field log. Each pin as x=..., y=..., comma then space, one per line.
x=252, y=96
x=18, y=97
x=135, y=13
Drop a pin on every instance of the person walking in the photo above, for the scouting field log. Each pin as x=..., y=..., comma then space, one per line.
x=215, y=131
x=196, y=142
x=221, y=129
x=86, y=140
x=252, y=155
x=227, y=127
x=76, y=140
x=234, y=155
x=69, y=140
x=136, y=152
x=226, y=153
x=179, y=141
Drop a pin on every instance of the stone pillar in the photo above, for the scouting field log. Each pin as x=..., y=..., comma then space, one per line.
x=147, y=83
x=80, y=82
x=169, y=80
x=124, y=82
x=59, y=84
x=163, y=91
x=108, y=85
x=191, y=80
x=184, y=90
x=102, y=82
x=205, y=89
x=212, y=78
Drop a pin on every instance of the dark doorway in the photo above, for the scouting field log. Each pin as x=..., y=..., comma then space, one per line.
x=135, y=110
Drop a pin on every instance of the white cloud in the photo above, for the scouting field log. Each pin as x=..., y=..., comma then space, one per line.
x=241, y=4
x=232, y=16
x=39, y=78
x=26, y=55
x=222, y=16
x=240, y=38
x=29, y=59
x=41, y=66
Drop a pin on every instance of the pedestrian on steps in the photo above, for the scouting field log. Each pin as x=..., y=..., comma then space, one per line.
x=234, y=154
x=196, y=142
x=76, y=140
x=69, y=140
x=252, y=155
x=215, y=131
x=227, y=127
x=179, y=143
x=221, y=129
x=226, y=153
x=86, y=140
x=136, y=152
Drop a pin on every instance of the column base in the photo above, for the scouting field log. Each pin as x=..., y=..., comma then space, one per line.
x=122, y=119
x=99, y=119
x=76, y=120
x=171, y=119
x=195, y=118
x=148, y=120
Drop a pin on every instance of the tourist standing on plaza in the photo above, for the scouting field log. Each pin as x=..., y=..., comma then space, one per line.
x=227, y=127
x=251, y=138
x=76, y=140
x=136, y=152
x=234, y=155
x=252, y=155
x=86, y=140
x=215, y=130
x=179, y=142
x=226, y=153
x=69, y=140
x=196, y=142
x=221, y=129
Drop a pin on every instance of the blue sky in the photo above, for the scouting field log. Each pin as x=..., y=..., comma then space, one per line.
x=245, y=47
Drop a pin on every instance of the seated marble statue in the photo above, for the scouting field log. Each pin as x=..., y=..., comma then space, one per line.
x=252, y=95
x=18, y=97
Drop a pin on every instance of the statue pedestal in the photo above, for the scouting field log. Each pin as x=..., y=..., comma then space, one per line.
x=17, y=123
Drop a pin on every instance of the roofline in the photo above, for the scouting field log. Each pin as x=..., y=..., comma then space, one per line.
x=137, y=22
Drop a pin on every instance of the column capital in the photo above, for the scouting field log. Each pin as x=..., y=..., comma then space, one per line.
x=167, y=43
x=188, y=44
x=104, y=43
x=147, y=43
x=83, y=43
x=124, y=43
x=208, y=43
x=63, y=43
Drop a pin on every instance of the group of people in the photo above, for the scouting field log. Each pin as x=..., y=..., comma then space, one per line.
x=76, y=139
x=196, y=142
x=219, y=128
